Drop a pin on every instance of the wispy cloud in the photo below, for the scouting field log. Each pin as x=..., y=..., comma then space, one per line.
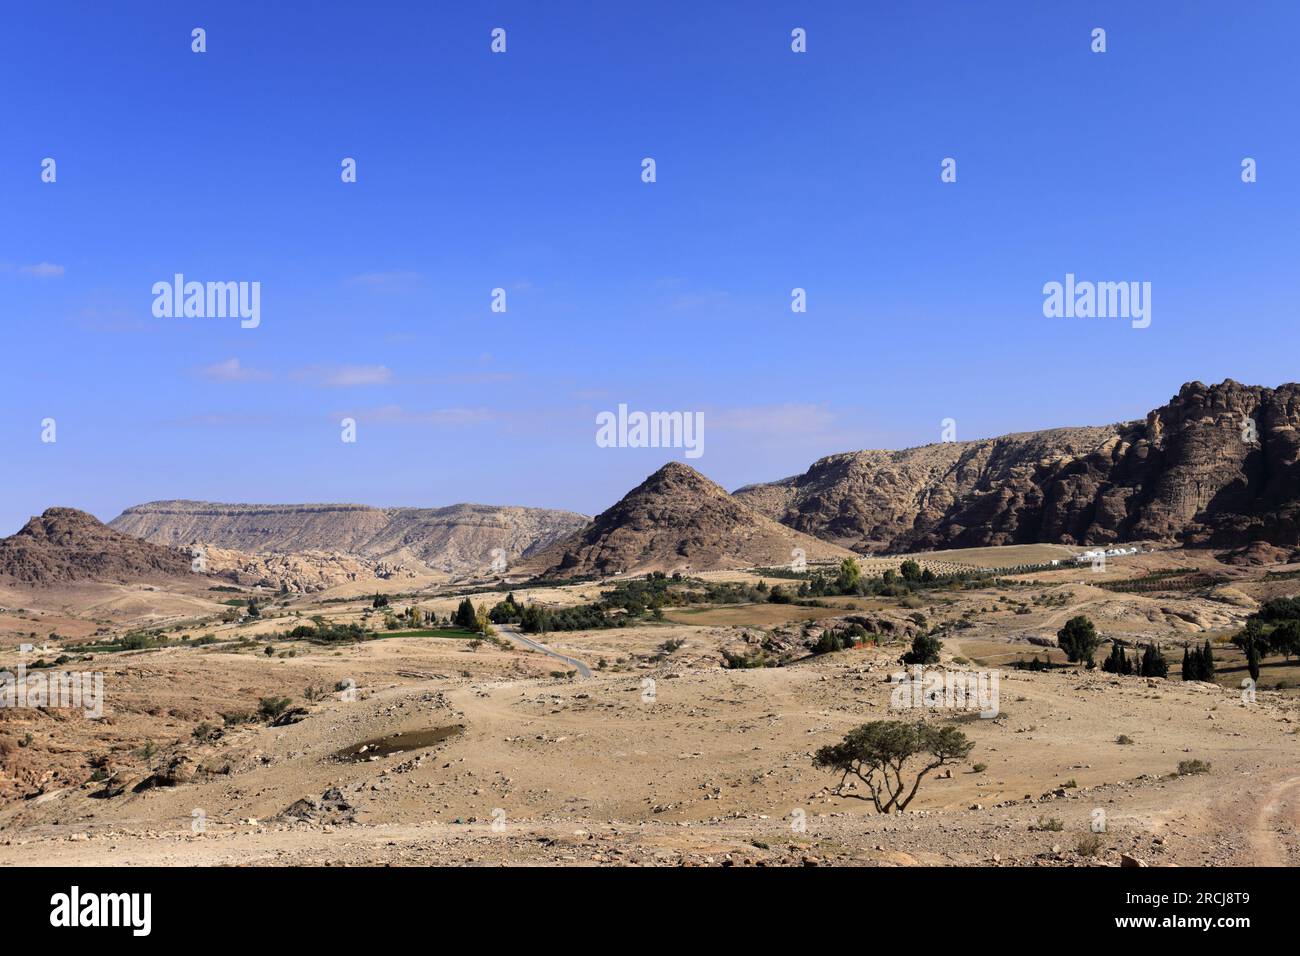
x=232, y=370
x=43, y=270
x=399, y=415
x=788, y=426
x=389, y=279
x=345, y=376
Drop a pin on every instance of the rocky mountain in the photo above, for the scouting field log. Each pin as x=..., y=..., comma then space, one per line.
x=299, y=572
x=677, y=520
x=459, y=539
x=1216, y=466
x=64, y=545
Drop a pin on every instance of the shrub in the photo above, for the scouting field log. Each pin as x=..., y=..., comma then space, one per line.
x=269, y=708
x=925, y=650
x=1187, y=767
x=1089, y=844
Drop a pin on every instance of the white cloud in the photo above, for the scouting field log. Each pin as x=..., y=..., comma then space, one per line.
x=346, y=376
x=397, y=415
x=44, y=270
x=231, y=370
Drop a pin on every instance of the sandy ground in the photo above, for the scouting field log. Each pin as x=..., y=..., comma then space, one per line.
x=668, y=762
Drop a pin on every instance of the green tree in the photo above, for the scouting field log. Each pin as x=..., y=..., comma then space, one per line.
x=1078, y=639
x=1285, y=639
x=849, y=577
x=910, y=570
x=925, y=650
x=466, y=616
x=1153, y=662
x=877, y=754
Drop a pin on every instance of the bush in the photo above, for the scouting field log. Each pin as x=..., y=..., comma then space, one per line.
x=1188, y=767
x=925, y=650
x=269, y=708
x=1089, y=844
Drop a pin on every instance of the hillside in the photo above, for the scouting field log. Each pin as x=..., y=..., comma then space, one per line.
x=1184, y=474
x=457, y=539
x=64, y=545
x=677, y=520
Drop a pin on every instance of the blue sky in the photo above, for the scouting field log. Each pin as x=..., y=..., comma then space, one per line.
x=522, y=170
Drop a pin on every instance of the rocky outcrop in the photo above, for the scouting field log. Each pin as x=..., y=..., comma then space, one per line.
x=677, y=520
x=64, y=546
x=1217, y=466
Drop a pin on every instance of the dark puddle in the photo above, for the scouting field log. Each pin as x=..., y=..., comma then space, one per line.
x=397, y=743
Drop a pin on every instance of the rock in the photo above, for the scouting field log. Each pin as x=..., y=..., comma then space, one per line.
x=1126, y=860
x=1182, y=474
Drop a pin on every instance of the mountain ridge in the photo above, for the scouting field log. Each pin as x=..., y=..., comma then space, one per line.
x=1184, y=473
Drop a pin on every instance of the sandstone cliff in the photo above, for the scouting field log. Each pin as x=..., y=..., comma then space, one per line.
x=1188, y=473
x=457, y=539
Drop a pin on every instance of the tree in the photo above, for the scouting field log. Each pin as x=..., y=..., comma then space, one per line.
x=1117, y=661
x=1078, y=639
x=1189, y=667
x=1285, y=639
x=504, y=612
x=381, y=600
x=849, y=577
x=925, y=650
x=877, y=754
x=1252, y=661
x=253, y=609
x=910, y=570
x=1207, y=661
x=1153, y=662
x=533, y=620
x=466, y=616
x=1253, y=641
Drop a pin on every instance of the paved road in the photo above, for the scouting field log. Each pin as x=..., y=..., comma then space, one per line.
x=510, y=631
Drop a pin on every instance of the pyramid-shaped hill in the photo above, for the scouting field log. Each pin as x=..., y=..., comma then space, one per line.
x=677, y=520
x=64, y=546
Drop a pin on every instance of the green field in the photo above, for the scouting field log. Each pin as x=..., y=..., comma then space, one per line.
x=454, y=632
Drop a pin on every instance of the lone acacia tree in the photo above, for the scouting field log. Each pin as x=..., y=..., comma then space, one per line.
x=877, y=754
